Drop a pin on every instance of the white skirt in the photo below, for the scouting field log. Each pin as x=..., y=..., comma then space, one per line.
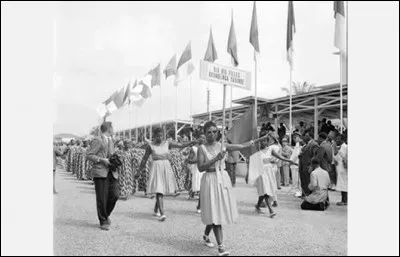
x=161, y=178
x=218, y=203
x=196, y=177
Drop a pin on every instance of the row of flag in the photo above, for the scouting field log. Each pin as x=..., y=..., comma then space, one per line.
x=184, y=67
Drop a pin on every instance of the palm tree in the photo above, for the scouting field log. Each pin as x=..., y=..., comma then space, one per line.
x=300, y=88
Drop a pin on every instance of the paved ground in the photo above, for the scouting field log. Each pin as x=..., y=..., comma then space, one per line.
x=135, y=231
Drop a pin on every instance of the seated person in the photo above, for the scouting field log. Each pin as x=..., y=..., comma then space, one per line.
x=318, y=200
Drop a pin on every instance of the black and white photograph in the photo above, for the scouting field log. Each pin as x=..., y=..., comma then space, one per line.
x=200, y=129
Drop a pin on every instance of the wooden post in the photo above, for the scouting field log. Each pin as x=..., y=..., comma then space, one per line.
x=316, y=116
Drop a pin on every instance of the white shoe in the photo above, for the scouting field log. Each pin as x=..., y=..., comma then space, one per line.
x=157, y=214
x=198, y=211
x=207, y=242
x=163, y=218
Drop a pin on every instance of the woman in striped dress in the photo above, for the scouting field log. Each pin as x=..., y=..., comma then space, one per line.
x=218, y=203
x=161, y=179
x=126, y=178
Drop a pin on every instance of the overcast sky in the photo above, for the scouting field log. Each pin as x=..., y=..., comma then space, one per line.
x=100, y=46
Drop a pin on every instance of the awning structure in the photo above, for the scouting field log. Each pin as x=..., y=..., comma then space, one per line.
x=324, y=102
x=170, y=127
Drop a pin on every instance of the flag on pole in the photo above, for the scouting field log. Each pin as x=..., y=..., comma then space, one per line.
x=101, y=110
x=291, y=30
x=185, y=66
x=127, y=92
x=119, y=98
x=109, y=103
x=146, y=92
x=211, y=52
x=340, y=26
x=155, y=76
x=170, y=69
x=241, y=132
x=254, y=30
x=232, y=44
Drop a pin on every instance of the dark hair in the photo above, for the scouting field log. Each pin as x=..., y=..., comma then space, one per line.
x=324, y=120
x=329, y=122
x=302, y=123
x=157, y=131
x=208, y=125
x=342, y=137
x=315, y=161
x=323, y=135
x=310, y=133
x=105, y=126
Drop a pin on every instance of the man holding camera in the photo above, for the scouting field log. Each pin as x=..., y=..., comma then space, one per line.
x=105, y=179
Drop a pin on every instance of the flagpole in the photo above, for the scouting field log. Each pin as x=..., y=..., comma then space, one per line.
x=191, y=118
x=290, y=107
x=208, y=101
x=341, y=92
x=130, y=121
x=176, y=113
x=137, y=127
x=255, y=93
x=230, y=111
x=223, y=119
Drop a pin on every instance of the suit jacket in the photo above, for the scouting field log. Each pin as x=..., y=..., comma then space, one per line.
x=324, y=153
x=99, y=148
x=307, y=153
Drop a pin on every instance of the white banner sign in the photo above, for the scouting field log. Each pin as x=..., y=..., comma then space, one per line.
x=225, y=75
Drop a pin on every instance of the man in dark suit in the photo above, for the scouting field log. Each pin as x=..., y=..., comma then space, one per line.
x=324, y=154
x=105, y=181
x=307, y=153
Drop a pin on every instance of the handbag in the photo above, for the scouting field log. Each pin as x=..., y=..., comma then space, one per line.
x=115, y=162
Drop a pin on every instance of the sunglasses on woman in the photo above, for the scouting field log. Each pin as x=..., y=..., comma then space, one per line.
x=212, y=132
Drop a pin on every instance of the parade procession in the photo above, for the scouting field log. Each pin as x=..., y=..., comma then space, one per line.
x=253, y=173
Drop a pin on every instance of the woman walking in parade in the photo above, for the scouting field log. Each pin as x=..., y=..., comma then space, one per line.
x=262, y=170
x=161, y=178
x=218, y=204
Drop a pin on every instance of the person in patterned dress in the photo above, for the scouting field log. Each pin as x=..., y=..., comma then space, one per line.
x=161, y=178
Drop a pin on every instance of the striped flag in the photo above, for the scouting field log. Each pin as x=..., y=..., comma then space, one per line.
x=232, y=44
x=254, y=30
x=211, y=52
x=155, y=76
x=185, y=66
x=170, y=69
x=186, y=55
x=291, y=30
x=340, y=26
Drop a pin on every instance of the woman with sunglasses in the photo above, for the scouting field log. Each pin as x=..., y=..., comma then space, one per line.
x=218, y=203
x=161, y=177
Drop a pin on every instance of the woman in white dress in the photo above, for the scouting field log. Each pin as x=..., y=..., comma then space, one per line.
x=262, y=170
x=294, y=168
x=161, y=177
x=218, y=203
x=192, y=166
x=340, y=159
